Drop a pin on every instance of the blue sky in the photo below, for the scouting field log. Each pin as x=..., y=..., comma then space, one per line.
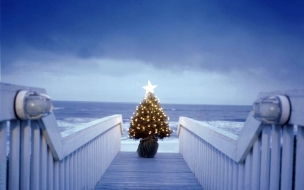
x=197, y=52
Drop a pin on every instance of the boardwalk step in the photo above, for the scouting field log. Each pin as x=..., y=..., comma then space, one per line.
x=164, y=171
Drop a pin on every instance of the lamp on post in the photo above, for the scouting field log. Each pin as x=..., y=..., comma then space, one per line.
x=31, y=105
x=272, y=109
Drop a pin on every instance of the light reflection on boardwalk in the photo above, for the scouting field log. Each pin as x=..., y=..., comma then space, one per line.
x=164, y=171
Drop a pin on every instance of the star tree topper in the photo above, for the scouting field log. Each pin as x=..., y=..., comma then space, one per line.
x=150, y=87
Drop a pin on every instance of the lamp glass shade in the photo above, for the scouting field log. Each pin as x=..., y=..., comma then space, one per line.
x=36, y=105
x=272, y=109
x=31, y=105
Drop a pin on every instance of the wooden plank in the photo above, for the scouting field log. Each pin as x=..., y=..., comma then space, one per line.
x=235, y=175
x=14, y=155
x=299, y=182
x=219, y=139
x=238, y=150
x=265, y=157
x=215, y=168
x=44, y=163
x=248, y=170
x=35, y=157
x=99, y=158
x=205, y=164
x=63, y=146
x=3, y=155
x=230, y=174
x=247, y=137
x=62, y=174
x=71, y=171
x=130, y=171
x=200, y=157
x=275, y=163
x=219, y=173
x=90, y=156
x=96, y=161
x=225, y=171
x=25, y=155
x=85, y=166
x=256, y=163
x=67, y=172
x=207, y=160
x=76, y=171
x=51, y=133
x=50, y=175
x=241, y=167
x=287, y=157
x=73, y=141
x=56, y=175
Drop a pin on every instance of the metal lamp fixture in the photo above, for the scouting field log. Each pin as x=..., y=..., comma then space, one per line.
x=272, y=109
x=31, y=105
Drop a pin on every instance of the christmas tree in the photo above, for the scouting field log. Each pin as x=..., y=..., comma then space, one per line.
x=149, y=120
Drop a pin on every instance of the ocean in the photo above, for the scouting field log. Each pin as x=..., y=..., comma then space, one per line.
x=72, y=114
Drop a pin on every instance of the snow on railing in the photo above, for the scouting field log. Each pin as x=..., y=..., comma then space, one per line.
x=261, y=157
x=34, y=155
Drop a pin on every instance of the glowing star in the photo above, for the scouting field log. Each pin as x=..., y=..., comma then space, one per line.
x=150, y=87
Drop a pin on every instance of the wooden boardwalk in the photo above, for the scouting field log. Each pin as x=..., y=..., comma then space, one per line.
x=164, y=171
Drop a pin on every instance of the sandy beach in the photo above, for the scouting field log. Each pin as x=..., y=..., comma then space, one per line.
x=166, y=145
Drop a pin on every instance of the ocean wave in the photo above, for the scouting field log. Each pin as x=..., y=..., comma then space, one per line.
x=78, y=120
x=73, y=122
x=58, y=108
x=67, y=125
x=230, y=126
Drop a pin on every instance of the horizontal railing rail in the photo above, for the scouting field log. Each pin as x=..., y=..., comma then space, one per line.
x=260, y=157
x=34, y=154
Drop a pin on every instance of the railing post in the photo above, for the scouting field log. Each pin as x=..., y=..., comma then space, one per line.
x=44, y=164
x=219, y=173
x=248, y=168
x=256, y=164
x=3, y=156
x=275, y=163
x=51, y=170
x=76, y=170
x=61, y=174
x=241, y=176
x=67, y=172
x=14, y=155
x=35, y=157
x=287, y=157
x=71, y=171
x=235, y=175
x=25, y=159
x=299, y=182
x=265, y=157
x=56, y=175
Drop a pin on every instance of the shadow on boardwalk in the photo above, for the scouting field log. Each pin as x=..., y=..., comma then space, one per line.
x=164, y=171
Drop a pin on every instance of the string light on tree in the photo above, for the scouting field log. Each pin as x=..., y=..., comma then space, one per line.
x=148, y=115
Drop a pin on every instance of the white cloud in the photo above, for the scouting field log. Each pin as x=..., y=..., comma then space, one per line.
x=71, y=78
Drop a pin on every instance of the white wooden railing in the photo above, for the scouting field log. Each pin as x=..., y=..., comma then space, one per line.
x=34, y=154
x=261, y=157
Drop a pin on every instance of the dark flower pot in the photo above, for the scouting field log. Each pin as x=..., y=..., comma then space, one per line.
x=147, y=147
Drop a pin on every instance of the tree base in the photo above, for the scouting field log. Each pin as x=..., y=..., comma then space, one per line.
x=147, y=147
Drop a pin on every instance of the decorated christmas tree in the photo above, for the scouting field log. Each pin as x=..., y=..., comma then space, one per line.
x=149, y=124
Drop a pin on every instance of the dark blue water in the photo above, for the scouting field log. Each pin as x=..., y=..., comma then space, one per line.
x=86, y=111
x=73, y=109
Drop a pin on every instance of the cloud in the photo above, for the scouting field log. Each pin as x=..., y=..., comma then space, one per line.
x=225, y=46
x=70, y=78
